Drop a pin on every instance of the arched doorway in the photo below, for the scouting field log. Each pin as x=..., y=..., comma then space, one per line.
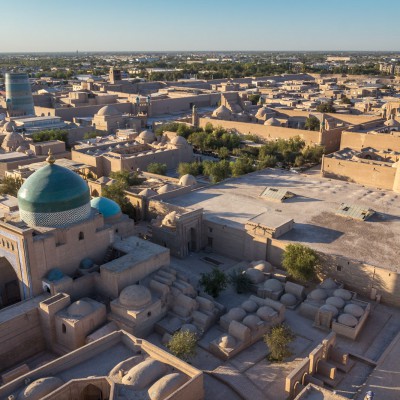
x=9, y=284
x=91, y=392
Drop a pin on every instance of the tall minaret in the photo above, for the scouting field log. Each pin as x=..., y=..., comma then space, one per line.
x=195, y=117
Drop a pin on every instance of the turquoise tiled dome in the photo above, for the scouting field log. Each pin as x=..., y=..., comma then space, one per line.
x=54, y=196
x=107, y=207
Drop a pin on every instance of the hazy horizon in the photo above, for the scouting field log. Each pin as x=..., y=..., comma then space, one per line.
x=180, y=26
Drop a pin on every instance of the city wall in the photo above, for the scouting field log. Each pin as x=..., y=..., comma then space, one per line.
x=378, y=141
x=376, y=175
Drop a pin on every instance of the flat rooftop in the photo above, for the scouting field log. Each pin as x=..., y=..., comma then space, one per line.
x=375, y=241
x=137, y=250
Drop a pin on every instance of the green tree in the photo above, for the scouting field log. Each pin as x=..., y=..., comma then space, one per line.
x=242, y=166
x=313, y=154
x=312, y=123
x=193, y=168
x=326, y=108
x=157, y=168
x=50, y=134
x=10, y=185
x=216, y=171
x=183, y=344
x=240, y=281
x=116, y=192
x=208, y=127
x=300, y=261
x=91, y=135
x=345, y=100
x=269, y=161
x=254, y=98
x=223, y=153
x=278, y=339
x=214, y=282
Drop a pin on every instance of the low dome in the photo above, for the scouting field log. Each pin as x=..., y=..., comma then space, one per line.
x=178, y=140
x=343, y=293
x=54, y=196
x=168, y=187
x=348, y=320
x=288, y=299
x=236, y=314
x=105, y=206
x=249, y=306
x=167, y=385
x=148, y=192
x=147, y=136
x=79, y=308
x=9, y=126
x=337, y=302
x=86, y=263
x=264, y=266
x=251, y=321
x=145, y=373
x=328, y=284
x=135, y=297
x=330, y=308
x=187, y=180
x=318, y=294
x=262, y=112
x=254, y=275
x=272, y=122
x=222, y=112
x=273, y=285
x=54, y=274
x=266, y=313
x=108, y=111
x=227, y=342
x=354, y=310
x=12, y=141
x=40, y=388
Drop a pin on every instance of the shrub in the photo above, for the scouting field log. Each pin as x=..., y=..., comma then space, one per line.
x=278, y=339
x=157, y=168
x=240, y=281
x=300, y=261
x=183, y=345
x=214, y=282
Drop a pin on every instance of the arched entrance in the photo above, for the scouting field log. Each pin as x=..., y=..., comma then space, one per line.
x=91, y=392
x=9, y=284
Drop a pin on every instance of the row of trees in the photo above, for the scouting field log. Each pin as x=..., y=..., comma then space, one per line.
x=50, y=134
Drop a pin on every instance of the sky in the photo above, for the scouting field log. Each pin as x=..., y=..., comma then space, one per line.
x=199, y=25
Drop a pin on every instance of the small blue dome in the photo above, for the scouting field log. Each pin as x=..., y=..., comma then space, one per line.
x=107, y=207
x=54, y=275
x=86, y=263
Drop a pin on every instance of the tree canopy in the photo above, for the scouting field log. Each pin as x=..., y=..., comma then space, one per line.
x=214, y=282
x=300, y=261
x=183, y=344
x=278, y=339
x=50, y=134
x=157, y=168
x=10, y=185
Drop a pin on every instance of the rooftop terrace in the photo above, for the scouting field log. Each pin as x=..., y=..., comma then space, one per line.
x=375, y=241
